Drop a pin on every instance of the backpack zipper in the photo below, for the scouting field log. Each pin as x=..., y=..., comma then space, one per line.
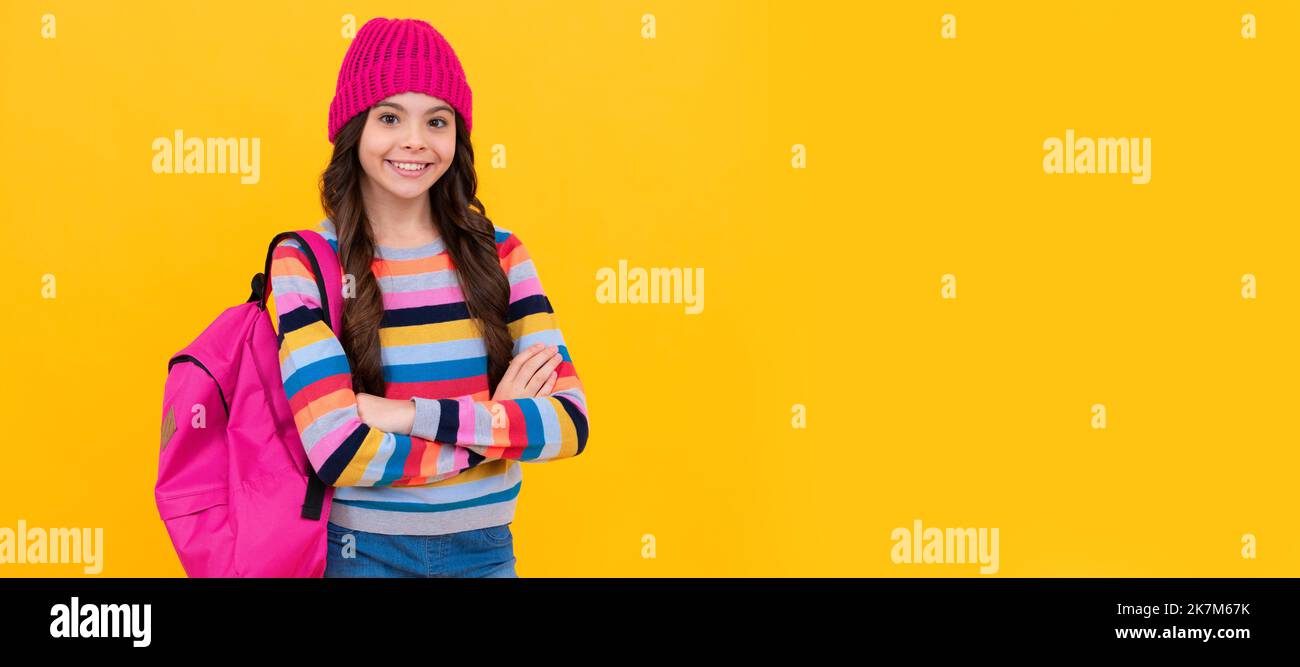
x=180, y=358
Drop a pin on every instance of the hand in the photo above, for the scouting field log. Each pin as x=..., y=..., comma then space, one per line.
x=386, y=414
x=531, y=373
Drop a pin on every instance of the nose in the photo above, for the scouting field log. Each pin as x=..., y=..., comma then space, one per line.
x=412, y=141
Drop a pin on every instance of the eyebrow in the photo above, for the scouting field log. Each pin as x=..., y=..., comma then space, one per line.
x=399, y=107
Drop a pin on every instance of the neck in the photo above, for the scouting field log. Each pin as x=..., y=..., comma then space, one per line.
x=401, y=222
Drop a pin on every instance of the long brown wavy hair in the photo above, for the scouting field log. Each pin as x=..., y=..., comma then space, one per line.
x=466, y=231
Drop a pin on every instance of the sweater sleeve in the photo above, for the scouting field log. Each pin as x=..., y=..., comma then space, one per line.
x=535, y=429
x=317, y=378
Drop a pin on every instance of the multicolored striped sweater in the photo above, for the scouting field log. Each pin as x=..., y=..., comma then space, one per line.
x=459, y=468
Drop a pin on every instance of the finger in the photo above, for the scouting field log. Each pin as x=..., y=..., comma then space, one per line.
x=530, y=365
x=512, y=370
x=550, y=384
x=540, y=376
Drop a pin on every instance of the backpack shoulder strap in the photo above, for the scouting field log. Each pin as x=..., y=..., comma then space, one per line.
x=324, y=265
x=329, y=279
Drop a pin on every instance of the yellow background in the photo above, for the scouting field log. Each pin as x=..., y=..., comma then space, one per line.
x=822, y=284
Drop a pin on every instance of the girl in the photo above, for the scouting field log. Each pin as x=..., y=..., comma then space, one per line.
x=451, y=369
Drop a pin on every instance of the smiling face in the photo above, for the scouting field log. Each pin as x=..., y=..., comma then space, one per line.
x=405, y=131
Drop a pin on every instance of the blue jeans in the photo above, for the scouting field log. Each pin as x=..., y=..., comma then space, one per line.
x=485, y=552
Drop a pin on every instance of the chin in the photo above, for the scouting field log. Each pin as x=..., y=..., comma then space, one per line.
x=409, y=192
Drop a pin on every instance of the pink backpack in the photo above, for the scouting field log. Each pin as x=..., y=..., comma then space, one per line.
x=235, y=489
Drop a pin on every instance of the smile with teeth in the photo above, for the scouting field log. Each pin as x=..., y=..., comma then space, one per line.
x=408, y=168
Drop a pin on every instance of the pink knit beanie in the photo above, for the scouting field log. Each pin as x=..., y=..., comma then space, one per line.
x=393, y=56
